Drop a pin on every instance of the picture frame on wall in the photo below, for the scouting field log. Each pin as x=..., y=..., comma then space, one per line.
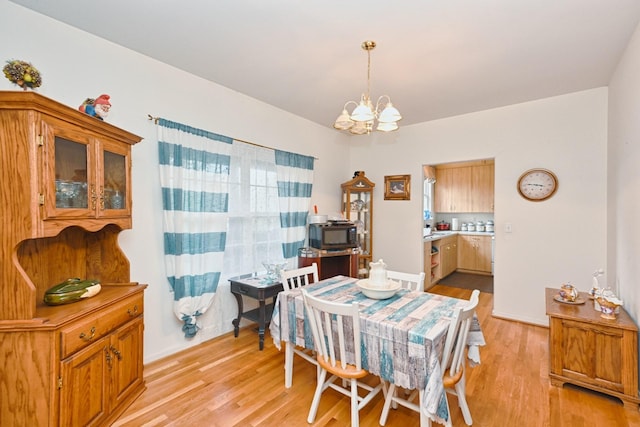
x=397, y=187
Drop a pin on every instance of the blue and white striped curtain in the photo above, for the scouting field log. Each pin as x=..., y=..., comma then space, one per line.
x=295, y=180
x=194, y=175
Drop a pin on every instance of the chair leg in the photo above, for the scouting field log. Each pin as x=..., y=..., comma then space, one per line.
x=354, y=403
x=425, y=421
x=394, y=404
x=462, y=401
x=316, y=397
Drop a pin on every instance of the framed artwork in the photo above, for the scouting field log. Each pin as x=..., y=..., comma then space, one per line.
x=397, y=187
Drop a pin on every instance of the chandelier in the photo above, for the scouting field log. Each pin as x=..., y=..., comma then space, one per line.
x=364, y=116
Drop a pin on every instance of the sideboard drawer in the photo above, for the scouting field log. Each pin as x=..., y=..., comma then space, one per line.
x=86, y=331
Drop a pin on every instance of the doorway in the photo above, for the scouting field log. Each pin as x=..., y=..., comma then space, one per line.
x=458, y=221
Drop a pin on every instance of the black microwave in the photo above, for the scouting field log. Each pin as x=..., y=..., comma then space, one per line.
x=333, y=235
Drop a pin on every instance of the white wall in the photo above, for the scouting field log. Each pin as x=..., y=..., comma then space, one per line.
x=76, y=65
x=559, y=240
x=624, y=178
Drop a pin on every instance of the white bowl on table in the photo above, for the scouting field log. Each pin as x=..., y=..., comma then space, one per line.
x=376, y=291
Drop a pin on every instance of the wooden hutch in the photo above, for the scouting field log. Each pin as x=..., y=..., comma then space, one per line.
x=65, y=197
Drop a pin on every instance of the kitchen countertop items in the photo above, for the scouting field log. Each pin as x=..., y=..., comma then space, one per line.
x=437, y=235
x=443, y=226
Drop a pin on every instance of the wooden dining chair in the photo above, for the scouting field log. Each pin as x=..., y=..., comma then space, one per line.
x=299, y=277
x=413, y=282
x=336, y=333
x=292, y=279
x=452, y=363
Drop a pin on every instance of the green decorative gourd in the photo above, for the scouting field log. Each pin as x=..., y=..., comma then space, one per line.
x=71, y=290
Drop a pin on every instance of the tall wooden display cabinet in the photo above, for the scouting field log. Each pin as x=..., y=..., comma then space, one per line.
x=357, y=205
x=64, y=198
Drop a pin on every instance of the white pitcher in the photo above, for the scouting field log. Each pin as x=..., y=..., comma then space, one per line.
x=378, y=273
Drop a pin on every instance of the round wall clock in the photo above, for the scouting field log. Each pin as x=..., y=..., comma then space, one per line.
x=537, y=184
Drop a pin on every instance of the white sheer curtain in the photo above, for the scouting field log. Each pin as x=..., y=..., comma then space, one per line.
x=253, y=233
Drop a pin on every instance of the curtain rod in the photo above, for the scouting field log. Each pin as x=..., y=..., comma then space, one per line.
x=155, y=121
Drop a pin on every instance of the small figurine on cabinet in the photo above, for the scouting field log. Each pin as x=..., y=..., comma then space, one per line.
x=98, y=108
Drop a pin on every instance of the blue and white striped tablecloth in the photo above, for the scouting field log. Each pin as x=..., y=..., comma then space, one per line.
x=402, y=337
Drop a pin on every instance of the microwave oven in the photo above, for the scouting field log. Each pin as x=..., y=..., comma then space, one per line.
x=333, y=235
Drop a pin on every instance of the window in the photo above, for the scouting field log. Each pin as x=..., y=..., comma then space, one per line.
x=253, y=233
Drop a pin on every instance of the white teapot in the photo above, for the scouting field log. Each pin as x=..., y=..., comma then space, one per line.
x=378, y=273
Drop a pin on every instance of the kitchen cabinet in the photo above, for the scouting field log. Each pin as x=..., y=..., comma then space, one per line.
x=448, y=255
x=357, y=205
x=474, y=253
x=464, y=187
x=482, y=188
x=440, y=258
x=592, y=352
x=452, y=189
x=431, y=263
x=79, y=363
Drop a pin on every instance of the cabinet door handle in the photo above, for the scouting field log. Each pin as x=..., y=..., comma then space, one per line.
x=86, y=338
x=133, y=313
x=107, y=357
x=94, y=197
x=116, y=352
x=101, y=198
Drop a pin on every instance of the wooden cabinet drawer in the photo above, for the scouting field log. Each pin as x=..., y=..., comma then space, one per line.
x=86, y=331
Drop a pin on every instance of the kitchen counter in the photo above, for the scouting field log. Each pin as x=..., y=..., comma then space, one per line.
x=437, y=235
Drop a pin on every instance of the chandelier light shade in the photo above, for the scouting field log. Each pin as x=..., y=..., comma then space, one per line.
x=362, y=119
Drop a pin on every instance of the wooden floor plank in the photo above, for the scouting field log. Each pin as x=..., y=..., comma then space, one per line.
x=228, y=382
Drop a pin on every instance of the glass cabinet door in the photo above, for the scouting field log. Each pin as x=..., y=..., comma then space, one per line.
x=71, y=182
x=113, y=171
x=114, y=178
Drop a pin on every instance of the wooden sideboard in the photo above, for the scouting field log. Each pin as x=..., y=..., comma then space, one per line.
x=592, y=352
x=65, y=197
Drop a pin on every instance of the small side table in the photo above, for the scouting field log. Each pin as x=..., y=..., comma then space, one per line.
x=258, y=288
x=592, y=352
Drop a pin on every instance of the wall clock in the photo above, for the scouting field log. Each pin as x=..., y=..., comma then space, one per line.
x=537, y=184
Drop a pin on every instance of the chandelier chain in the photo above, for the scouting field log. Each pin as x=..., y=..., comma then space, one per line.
x=368, y=74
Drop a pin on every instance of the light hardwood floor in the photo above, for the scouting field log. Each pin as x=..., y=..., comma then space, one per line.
x=228, y=382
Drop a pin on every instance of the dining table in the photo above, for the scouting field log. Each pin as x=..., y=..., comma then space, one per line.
x=402, y=336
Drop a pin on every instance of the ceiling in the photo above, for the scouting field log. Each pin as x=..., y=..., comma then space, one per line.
x=434, y=58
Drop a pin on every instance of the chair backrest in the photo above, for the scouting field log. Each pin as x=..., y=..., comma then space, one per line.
x=413, y=282
x=299, y=277
x=336, y=330
x=453, y=354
